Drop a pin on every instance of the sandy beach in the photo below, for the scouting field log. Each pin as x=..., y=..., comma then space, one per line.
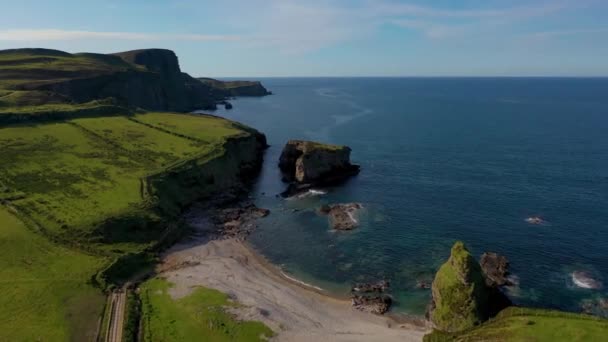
x=293, y=311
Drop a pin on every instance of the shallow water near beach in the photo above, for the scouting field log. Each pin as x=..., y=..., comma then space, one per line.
x=442, y=160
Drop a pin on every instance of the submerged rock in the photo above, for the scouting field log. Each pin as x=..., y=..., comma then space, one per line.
x=307, y=164
x=585, y=280
x=342, y=216
x=536, y=220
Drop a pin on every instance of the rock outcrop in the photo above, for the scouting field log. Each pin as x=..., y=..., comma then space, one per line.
x=460, y=295
x=495, y=268
x=237, y=88
x=496, y=271
x=308, y=163
x=342, y=216
x=370, y=297
x=466, y=294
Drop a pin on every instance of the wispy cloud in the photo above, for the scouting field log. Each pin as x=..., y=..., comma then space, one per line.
x=296, y=27
x=393, y=8
x=54, y=34
x=558, y=33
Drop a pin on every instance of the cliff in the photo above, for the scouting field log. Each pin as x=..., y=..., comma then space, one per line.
x=236, y=88
x=150, y=79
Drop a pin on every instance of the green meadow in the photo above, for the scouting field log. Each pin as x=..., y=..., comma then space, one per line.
x=46, y=295
x=201, y=313
x=526, y=324
x=73, y=200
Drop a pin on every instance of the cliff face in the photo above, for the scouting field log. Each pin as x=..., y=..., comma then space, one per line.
x=310, y=162
x=150, y=79
x=197, y=179
x=236, y=88
x=460, y=295
x=158, y=84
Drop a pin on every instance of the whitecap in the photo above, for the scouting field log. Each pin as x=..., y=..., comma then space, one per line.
x=585, y=280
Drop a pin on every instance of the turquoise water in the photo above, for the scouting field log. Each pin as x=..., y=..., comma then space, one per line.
x=443, y=160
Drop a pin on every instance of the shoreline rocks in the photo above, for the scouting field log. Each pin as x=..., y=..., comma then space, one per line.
x=306, y=164
x=238, y=221
x=370, y=297
x=342, y=216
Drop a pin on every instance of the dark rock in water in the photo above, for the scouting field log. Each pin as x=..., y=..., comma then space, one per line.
x=379, y=286
x=227, y=105
x=595, y=306
x=423, y=284
x=585, y=280
x=325, y=209
x=342, y=216
x=307, y=164
x=496, y=269
x=536, y=220
x=373, y=304
x=261, y=212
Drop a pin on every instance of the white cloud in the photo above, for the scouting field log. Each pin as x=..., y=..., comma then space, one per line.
x=557, y=33
x=295, y=27
x=54, y=34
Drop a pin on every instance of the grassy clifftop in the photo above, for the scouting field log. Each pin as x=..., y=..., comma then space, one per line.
x=149, y=79
x=526, y=324
x=82, y=199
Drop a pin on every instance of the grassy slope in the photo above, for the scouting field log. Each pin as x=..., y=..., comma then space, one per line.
x=67, y=177
x=75, y=174
x=27, y=67
x=524, y=324
x=201, y=314
x=44, y=287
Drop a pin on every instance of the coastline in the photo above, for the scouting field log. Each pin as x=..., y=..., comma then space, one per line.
x=296, y=311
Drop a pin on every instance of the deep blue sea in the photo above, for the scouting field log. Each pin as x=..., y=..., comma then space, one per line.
x=443, y=159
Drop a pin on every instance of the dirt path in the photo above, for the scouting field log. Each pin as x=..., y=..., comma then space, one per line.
x=118, y=301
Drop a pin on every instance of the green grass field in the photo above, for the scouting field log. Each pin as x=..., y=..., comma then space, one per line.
x=45, y=290
x=74, y=175
x=59, y=183
x=525, y=324
x=201, y=316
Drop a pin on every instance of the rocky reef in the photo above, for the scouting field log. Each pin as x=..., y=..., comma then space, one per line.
x=342, y=216
x=371, y=297
x=306, y=164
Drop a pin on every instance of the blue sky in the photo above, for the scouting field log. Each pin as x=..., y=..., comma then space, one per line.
x=329, y=38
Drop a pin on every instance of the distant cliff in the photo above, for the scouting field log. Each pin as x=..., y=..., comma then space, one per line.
x=236, y=88
x=150, y=79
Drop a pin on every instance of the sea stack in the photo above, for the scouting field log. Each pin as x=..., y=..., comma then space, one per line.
x=460, y=294
x=306, y=164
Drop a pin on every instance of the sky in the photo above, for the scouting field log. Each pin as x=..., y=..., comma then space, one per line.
x=253, y=38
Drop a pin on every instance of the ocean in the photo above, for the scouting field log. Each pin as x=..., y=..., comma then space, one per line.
x=442, y=159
